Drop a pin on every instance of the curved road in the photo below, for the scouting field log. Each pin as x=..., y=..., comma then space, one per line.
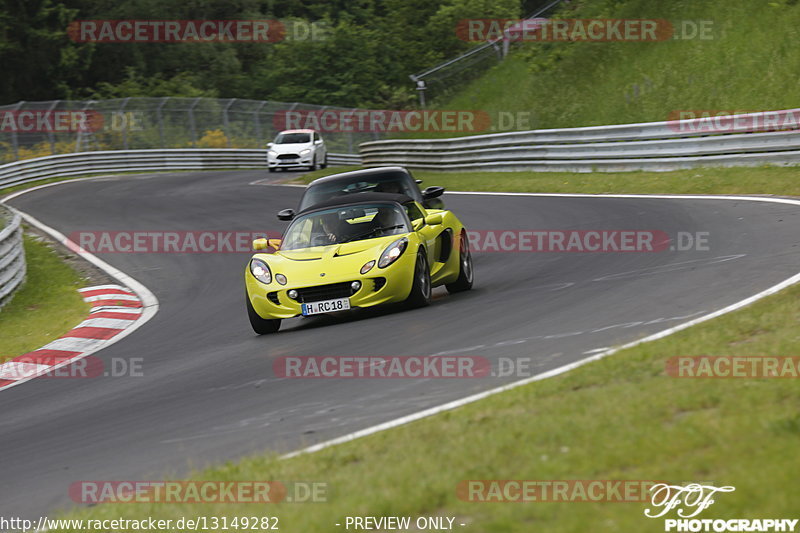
x=209, y=393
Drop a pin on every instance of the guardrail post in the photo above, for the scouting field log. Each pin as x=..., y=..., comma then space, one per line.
x=193, y=130
x=350, y=138
x=79, y=135
x=257, y=120
x=160, y=119
x=226, y=123
x=51, y=137
x=124, y=122
x=14, y=141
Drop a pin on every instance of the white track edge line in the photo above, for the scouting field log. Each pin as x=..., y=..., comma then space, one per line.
x=146, y=315
x=571, y=366
x=149, y=301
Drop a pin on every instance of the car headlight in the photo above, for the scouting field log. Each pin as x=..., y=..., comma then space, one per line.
x=272, y=153
x=392, y=252
x=367, y=267
x=260, y=271
x=305, y=152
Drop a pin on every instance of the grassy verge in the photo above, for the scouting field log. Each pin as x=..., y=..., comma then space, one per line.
x=781, y=181
x=596, y=83
x=46, y=307
x=618, y=418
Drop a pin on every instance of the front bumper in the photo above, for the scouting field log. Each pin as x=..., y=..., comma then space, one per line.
x=378, y=286
x=304, y=161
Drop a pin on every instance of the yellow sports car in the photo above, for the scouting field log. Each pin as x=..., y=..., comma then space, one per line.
x=356, y=250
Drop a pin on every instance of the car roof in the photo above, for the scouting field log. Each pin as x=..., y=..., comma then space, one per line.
x=297, y=131
x=366, y=173
x=359, y=198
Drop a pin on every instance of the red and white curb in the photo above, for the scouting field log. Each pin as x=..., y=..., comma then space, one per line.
x=114, y=309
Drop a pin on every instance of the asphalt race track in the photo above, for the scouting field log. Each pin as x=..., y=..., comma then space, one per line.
x=209, y=393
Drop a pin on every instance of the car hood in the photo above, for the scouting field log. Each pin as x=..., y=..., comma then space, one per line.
x=305, y=266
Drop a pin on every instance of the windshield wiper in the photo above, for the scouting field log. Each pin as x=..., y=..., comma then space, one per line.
x=370, y=232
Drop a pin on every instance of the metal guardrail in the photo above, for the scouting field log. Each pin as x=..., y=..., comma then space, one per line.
x=657, y=146
x=82, y=163
x=12, y=256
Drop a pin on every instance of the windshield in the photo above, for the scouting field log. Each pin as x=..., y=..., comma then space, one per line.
x=392, y=183
x=292, y=138
x=345, y=224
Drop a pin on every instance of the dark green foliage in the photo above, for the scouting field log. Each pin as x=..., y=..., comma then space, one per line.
x=371, y=47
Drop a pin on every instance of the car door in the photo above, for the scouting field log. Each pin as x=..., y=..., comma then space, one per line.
x=320, y=148
x=437, y=242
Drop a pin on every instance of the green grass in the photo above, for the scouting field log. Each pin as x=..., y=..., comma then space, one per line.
x=46, y=307
x=618, y=418
x=750, y=64
x=782, y=181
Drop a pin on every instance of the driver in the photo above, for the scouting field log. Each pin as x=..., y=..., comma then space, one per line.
x=330, y=224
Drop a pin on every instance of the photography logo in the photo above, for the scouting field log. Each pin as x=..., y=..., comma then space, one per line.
x=691, y=500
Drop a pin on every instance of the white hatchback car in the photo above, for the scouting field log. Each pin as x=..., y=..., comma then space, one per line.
x=297, y=148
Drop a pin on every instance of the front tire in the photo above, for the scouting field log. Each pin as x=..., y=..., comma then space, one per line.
x=262, y=326
x=324, y=162
x=421, y=289
x=465, y=270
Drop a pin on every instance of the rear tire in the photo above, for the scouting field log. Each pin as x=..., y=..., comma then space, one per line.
x=465, y=271
x=262, y=326
x=420, y=295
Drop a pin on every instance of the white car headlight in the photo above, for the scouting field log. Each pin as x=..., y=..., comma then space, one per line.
x=392, y=252
x=260, y=271
x=272, y=153
x=305, y=152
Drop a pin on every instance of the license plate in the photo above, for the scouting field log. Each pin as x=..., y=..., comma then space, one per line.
x=326, y=306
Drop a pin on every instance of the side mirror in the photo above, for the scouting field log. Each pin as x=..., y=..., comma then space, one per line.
x=434, y=219
x=270, y=145
x=418, y=181
x=318, y=142
x=260, y=244
x=286, y=214
x=432, y=192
